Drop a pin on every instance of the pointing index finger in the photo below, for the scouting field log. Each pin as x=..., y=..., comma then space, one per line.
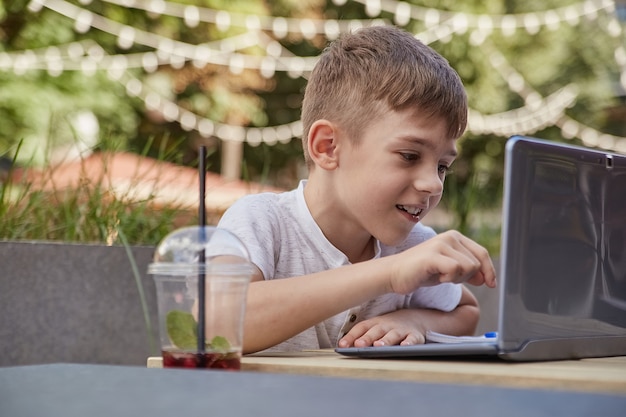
x=487, y=272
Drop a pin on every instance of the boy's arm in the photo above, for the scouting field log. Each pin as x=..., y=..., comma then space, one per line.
x=281, y=308
x=409, y=326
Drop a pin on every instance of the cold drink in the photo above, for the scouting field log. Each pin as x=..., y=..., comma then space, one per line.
x=230, y=361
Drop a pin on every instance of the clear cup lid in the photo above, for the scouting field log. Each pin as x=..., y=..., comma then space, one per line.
x=201, y=249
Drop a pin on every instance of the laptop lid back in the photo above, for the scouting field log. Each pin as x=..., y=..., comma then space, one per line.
x=563, y=255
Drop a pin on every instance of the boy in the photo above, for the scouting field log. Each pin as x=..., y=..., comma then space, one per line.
x=343, y=260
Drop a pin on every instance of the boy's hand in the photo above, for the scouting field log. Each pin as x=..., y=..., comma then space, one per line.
x=447, y=257
x=395, y=328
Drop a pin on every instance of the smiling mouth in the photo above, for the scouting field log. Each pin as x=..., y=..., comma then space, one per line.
x=413, y=211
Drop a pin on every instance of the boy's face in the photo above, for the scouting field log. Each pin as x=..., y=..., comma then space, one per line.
x=394, y=176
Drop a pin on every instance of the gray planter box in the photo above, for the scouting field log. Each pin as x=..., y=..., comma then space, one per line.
x=74, y=303
x=78, y=303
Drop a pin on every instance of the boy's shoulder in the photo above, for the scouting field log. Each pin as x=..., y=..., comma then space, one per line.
x=262, y=205
x=261, y=197
x=268, y=197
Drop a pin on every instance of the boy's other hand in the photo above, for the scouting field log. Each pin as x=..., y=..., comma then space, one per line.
x=395, y=328
x=447, y=257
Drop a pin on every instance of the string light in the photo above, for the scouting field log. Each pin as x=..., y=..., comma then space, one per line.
x=372, y=8
x=528, y=119
x=614, y=30
x=191, y=16
x=74, y=54
x=188, y=120
x=508, y=23
x=570, y=128
x=550, y=111
x=127, y=36
x=281, y=26
x=402, y=14
x=440, y=25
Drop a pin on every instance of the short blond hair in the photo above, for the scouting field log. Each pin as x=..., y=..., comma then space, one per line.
x=363, y=74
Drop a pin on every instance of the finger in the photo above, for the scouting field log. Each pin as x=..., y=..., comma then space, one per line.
x=346, y=341
x=457, y=267
x=474, y=262
x=358, y=331
x=413, y=339
x=393, y=337
x=486, y=272
x=373, y=337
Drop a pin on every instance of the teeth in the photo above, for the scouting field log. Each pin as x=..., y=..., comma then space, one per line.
x=414, y=211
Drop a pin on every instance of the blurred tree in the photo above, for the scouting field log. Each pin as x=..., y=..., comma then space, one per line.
x=516, y=58
x=42, y=109
x=577, y=52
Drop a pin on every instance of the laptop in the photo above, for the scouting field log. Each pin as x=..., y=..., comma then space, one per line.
x=563, y=260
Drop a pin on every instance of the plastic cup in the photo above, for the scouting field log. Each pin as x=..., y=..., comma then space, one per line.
x=182, y=261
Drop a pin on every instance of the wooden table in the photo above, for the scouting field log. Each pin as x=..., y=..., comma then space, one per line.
x=79, y=390
x=599, y=375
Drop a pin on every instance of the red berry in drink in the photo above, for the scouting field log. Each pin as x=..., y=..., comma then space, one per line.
x=210, y=360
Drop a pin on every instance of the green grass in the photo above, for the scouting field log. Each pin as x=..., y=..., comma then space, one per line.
x=92, y=213
x=88, y=213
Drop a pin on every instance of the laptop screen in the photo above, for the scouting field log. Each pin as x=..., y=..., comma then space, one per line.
x=563, y=243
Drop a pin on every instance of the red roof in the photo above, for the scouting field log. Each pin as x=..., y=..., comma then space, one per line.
x=134, y=177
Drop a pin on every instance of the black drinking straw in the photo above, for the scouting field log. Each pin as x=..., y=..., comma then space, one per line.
x=201, y=259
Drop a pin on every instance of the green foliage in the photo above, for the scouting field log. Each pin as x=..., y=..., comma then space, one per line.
x=82, y=215
x=88, y=213
x=40, y=108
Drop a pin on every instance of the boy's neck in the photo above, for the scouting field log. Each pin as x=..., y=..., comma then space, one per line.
x=357, y=244
x=368, y=252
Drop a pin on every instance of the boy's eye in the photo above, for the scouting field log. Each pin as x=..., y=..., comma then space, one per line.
x=410, y=157
x=444, y=169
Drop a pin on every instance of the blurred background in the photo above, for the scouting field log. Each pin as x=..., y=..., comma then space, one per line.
x=157, y=79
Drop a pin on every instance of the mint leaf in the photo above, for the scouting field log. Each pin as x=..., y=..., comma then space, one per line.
x=219, y=344
x=182, y=329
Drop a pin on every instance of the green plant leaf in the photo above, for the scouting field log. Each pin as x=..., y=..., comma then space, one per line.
x=219, y=344
x=182, y=329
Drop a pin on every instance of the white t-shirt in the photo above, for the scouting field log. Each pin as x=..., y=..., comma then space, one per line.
x=284, y=241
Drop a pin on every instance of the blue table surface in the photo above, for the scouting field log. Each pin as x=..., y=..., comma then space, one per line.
x=73, y=390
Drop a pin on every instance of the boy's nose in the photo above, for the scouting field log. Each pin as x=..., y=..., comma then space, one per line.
x=429, y=182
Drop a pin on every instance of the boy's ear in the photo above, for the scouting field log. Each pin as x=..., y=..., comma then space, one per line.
x=322, y=144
